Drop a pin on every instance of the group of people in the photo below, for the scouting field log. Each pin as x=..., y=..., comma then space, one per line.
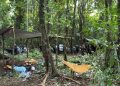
x=16, y=49
x=86, y=48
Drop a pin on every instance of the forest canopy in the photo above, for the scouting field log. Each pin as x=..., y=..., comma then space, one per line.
x=85, y=28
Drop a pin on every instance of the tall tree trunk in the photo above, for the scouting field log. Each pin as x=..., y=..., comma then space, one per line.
x=45, y=40
x=48, y=17
x=73, y=26
x=66, y=31
x=57, y=38
x=108, y=49
x=118, y=13
x=81, y=9
x=19, y=14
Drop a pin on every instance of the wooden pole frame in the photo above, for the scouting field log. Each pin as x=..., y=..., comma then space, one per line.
x=27, y=47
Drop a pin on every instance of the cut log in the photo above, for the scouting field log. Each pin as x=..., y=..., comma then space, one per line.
x=44, y=80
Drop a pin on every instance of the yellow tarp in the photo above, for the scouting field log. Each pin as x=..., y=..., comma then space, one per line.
x=8, y=66
x=31, y=61
x=77, y=68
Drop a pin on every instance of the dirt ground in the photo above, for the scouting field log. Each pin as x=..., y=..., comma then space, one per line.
x=36, y=80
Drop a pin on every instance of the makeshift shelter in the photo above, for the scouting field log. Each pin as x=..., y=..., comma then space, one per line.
x=9, y=32
x=16, y=34
x=22, y=34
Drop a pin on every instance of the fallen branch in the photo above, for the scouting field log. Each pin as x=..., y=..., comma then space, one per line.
x=44, y=80
x=71, y=79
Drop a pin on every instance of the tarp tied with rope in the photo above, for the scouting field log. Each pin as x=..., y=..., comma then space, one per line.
x=77, y=68
x=8, y=32
x=19, y=33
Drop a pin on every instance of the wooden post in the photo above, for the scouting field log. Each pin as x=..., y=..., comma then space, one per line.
x=56, y=49
x=3, y=46
x=13, y=48
x=27, y=46
x=13, y=41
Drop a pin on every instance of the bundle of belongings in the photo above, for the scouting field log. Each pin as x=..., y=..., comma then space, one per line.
x=24, y=71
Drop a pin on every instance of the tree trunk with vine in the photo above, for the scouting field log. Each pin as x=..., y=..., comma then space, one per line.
x=118, y=13
x=108, y=49
x=45, y=41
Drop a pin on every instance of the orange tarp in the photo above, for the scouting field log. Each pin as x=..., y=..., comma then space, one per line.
x=77, y=68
